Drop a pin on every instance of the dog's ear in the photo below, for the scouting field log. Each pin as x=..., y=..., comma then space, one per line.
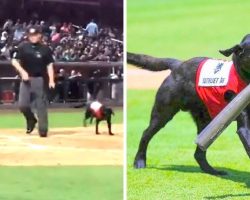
x=235, y=49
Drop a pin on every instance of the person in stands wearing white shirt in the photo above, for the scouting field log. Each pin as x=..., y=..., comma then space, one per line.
x=92, y=29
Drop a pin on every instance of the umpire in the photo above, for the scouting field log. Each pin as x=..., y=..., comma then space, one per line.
x=34, y=62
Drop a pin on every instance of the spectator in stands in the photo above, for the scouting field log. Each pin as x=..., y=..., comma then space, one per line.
x=64, y=28
x=55, y=37
x=52, y=29
x=30, y=24
x=19, y=33
x=17, y=23
x=92, y=29
x=68, y=42
x=8, y=25
x=5, y=52
x=45, y=28
x=24, y=26
x=4, y=37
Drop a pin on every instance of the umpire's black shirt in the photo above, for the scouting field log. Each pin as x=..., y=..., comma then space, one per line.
x=34, y=58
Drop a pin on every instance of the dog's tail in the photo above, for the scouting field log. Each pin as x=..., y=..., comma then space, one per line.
x=152, y=63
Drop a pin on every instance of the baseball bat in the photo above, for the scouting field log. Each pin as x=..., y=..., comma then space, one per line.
x=223, y=119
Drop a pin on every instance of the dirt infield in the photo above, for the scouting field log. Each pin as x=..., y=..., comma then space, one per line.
x=143, y=79
x=64, y=146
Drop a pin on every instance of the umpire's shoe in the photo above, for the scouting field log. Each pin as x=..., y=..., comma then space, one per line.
x=31, y=125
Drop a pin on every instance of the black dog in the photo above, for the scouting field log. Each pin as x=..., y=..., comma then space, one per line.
x=178, y=92
x=100, y=112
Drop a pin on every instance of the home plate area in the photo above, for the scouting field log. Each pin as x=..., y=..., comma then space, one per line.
x=63, y=146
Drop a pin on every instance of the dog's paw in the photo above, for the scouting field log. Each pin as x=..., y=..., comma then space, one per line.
x=139, y=164
x=111, y=134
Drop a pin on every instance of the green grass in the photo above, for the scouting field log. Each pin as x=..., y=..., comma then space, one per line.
x=69, y=118
x=183, y=29
x=186, y=28
x=172, y=172
x=61, y=183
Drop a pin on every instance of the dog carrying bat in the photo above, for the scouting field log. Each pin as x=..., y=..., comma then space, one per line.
x=201, y=86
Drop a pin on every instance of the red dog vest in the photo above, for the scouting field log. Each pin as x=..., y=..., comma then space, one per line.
x=96, y=108
x=213, y=79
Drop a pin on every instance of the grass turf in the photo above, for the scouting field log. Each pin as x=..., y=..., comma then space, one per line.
x=69, y=118
x=186, y=28
x=61, y=183
x=172, y=172
x=183, y=29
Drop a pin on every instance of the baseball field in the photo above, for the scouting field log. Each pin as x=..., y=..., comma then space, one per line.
x=72, y=163
x=182, y=29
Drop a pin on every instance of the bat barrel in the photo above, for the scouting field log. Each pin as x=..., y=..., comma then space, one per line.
x=223, y=119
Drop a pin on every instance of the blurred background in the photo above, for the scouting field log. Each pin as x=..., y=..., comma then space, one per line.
x=86, y=38
x=186, y=28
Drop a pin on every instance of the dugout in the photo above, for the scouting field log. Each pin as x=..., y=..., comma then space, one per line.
x=111, y=90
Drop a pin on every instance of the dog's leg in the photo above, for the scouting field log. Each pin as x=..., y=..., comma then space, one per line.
x=85, y=118
x=161, y=114
x=243, y=126
x=91, y=119
x=200, y=157
x=202, y=121
x=96, y=126
x=109, y=125
x=243, y=129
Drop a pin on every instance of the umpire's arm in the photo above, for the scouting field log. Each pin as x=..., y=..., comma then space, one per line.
x=49, y=60
x=50, y=71
x=16, y=63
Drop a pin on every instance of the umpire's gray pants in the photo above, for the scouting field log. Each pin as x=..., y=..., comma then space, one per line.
x=34, y=93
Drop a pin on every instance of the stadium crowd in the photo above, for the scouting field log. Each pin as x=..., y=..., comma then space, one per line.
x=69, y=42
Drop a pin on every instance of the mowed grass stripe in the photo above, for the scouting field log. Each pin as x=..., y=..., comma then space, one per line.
x=61, y=183
x=186, y=28
x=57, y=119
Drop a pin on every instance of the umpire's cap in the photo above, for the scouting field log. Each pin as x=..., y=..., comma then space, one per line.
x=34, y=30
